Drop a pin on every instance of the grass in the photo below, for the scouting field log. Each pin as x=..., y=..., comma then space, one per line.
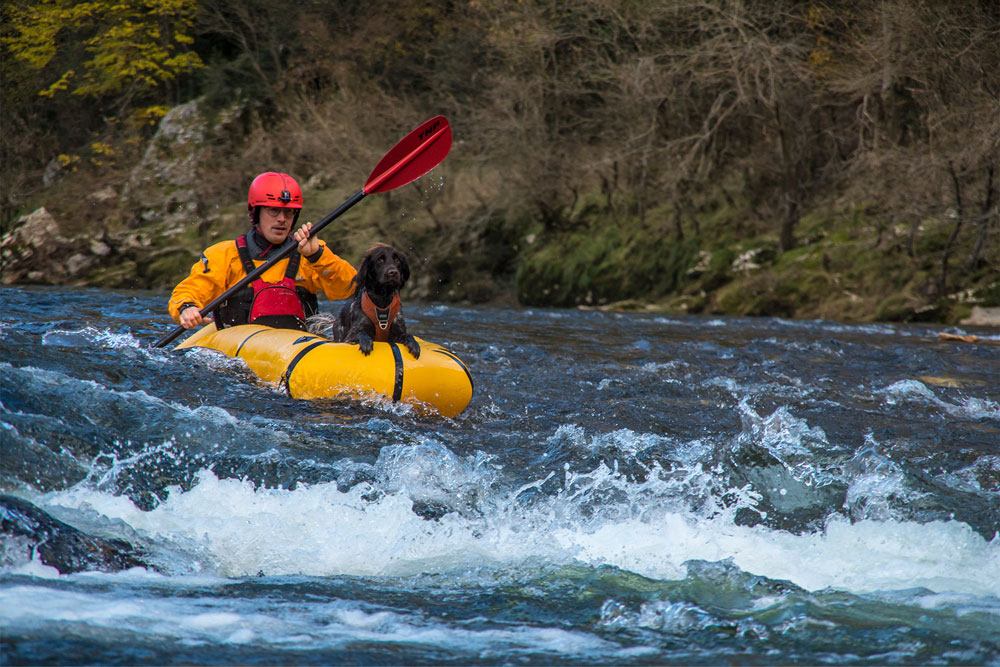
x=843, y=268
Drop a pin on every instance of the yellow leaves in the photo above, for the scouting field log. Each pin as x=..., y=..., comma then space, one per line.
x=102, y=148
x=816, y=16
x=821, y=57
x=37, y=45
x=61, y=84
x=70, y=162
x=152, y=114
x=133, y=44
x=147, y=116
x=102, y=153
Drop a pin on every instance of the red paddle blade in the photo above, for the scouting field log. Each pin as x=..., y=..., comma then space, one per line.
x=417, y=153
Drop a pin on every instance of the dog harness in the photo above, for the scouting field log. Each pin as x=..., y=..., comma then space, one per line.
x=274, y=304
x=382, y=318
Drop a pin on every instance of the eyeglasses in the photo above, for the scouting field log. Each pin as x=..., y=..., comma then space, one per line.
x=275, y=211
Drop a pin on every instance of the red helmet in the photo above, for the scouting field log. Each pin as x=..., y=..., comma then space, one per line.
x=274, y=189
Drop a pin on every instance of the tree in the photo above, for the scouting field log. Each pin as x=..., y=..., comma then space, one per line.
x=114, y=51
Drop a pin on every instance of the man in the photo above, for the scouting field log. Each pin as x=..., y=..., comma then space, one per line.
x=285, y=295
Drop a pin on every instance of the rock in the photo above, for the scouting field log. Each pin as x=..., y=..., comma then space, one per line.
x=27, y=249
x=100, y=248
x=33, y=231
x=58, y=166
x=52, y=171
x=747, y=261
x=168, y=185
x=166, y=175
x=78, y=263
x=704, y=258
x=988, y=317
x=27, y=530
x=164, y=196
x=36, y=252
x=103, y=196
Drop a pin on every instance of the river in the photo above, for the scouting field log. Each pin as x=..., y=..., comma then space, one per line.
x=623, y=489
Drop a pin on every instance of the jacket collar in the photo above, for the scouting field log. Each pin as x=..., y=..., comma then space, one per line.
x=261, y=248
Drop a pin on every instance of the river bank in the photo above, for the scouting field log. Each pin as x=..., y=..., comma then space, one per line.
x=600, y=261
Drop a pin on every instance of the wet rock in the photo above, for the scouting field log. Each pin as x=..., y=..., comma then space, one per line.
x=26, y=530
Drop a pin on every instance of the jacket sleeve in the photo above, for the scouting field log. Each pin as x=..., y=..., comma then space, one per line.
x=207, y=280
x=329, y=273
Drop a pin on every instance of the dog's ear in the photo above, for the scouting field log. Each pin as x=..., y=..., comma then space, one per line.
x=366, y=272
x=404, y=267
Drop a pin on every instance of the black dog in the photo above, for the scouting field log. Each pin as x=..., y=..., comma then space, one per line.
x=373, y=312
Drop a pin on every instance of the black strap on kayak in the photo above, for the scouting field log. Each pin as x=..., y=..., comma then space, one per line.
x=461, y=365
x=240, y=348
x=286, y=378
x=397, y=386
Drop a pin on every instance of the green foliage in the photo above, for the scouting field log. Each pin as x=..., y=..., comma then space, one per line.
x=604, y=262
x=989, y=295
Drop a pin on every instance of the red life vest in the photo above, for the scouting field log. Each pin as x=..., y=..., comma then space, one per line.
x=381, y=317
x=274, y=304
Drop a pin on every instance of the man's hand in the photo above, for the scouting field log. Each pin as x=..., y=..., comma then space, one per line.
x=191, y=317
x=307, y=246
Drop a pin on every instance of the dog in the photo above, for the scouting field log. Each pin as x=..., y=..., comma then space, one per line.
x=373, y=311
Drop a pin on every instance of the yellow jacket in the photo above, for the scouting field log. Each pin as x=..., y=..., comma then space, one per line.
x=220, y=268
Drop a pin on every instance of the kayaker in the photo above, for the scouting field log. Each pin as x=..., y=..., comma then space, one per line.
x=285, y=295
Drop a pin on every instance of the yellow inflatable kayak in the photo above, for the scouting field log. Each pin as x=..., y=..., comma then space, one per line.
x=311, y=366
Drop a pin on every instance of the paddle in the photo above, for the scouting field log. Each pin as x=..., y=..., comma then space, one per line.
x=413, y=156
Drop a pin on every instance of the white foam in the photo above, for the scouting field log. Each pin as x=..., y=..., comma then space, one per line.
x=313, y=530
x=88, y=335
x=232, y=528
x=916, y=391
x=316, y=622
x=861, y=557
x=35, y=568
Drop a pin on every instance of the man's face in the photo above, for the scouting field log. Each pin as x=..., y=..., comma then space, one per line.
x=276, y=223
